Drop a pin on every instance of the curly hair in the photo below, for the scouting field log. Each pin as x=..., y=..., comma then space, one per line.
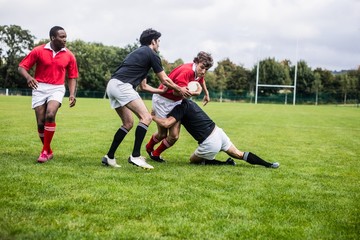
x=205, y=58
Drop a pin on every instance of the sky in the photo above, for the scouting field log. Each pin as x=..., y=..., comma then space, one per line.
x=323, y=33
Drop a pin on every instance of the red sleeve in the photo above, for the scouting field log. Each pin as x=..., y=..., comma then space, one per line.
x=72, y=69
x=29, y=61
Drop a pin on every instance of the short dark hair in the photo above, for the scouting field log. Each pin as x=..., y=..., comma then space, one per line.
x=148, y=35
x=54, y=30
x=205, y=58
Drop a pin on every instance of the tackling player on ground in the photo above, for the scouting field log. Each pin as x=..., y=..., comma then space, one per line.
x=211, y=139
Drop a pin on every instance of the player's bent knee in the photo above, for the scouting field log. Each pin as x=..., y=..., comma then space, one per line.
x=146, y=119
x=195, y=159
x=128, y=126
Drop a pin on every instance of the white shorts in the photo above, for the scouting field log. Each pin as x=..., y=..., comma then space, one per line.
x=162, y=106
x=47, y=92
x=120, y=93
x=216, y=142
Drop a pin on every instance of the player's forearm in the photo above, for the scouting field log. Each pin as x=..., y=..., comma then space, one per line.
x=170, y=84
x=24, y=73
x=158, y=121
x=72, y=84
x=150, y=89
x=206, y=92
x=165, y=80
x=163, y=122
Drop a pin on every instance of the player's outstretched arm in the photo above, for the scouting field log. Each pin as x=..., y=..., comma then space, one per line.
x=165, y=80
x=164, y=122
x=147, y=88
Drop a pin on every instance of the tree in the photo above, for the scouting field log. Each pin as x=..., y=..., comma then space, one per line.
x=273, y=73
x=221, y=78
x=305, y=78
x=210, y=79
x=330, y=85
x=96, y=63
x=14, y=42
x=239, y=81
x=317, y=86
x=348, y=85
x=231, y=76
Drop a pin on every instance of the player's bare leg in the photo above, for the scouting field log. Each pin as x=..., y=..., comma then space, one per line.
x=166, y=143
x=250, y=157
x=138, y=107
x=45, y=115
x=156, y=138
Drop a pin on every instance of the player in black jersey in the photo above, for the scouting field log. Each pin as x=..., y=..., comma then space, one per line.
x=121, y=90
x=211, y=138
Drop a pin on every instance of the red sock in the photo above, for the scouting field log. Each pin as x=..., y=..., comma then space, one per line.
x=41, y=135
x=48, y=135
x=152, y=142
x=163, y=146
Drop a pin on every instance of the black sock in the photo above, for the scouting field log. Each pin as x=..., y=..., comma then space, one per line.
x=253, y=159
x=140, y=133
x=214, y=162
x=118, y=137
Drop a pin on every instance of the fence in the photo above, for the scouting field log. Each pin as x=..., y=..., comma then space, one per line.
x=227, y=96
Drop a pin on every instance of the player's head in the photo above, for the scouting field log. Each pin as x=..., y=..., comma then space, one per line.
x=57, y=37
x=204, y=58
x=148, y=35
x=54, y=31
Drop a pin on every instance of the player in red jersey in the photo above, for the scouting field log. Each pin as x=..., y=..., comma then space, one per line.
x=53, y=61
x=163, y=103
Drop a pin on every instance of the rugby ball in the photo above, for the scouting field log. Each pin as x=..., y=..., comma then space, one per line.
x=193, y=86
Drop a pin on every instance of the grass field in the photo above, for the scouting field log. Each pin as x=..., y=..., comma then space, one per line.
x=313, y=195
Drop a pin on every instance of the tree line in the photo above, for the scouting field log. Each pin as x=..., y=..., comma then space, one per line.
x=96, y=63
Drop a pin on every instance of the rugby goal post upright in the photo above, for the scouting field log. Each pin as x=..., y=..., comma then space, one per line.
x=275, y=86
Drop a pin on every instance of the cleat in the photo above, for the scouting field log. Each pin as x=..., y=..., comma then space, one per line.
x=156, y=158
x=274, y=165
x=230, y=161
x=140, y=162
x=50, y=155
x=44, y=157
x=109, y=162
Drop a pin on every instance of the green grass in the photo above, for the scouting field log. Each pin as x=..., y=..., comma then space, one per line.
x=313, y=195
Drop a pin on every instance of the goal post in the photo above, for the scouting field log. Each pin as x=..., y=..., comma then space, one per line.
x=274, y=85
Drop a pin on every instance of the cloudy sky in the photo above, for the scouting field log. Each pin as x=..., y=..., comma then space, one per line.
x=324, y=33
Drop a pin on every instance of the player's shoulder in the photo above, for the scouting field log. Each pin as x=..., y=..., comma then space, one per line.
x=69, y=52
x=184, y=69
x=145, y=49
x=148, y=52
x=39, y=48
x=187, y=66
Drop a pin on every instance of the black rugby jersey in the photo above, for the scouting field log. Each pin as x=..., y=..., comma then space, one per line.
x=194, y=119
x=136, y=66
